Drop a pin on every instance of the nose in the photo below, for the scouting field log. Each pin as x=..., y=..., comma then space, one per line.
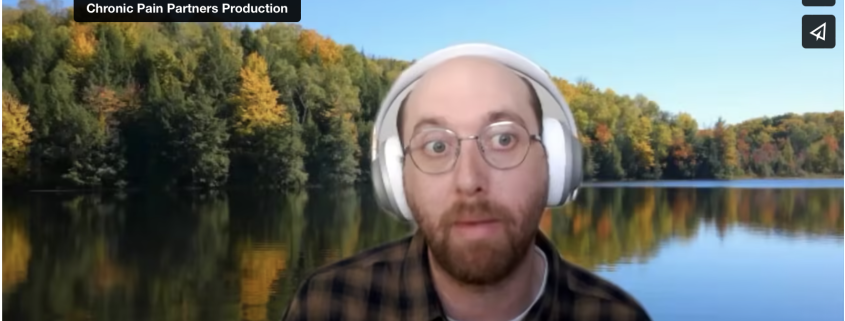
x=470, y=170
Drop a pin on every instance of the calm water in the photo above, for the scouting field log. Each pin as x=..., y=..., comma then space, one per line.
x=711, y=253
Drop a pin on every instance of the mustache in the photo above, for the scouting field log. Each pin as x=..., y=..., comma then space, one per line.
x=475, y=210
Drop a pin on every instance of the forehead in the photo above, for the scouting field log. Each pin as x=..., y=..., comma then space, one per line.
x=468, y=90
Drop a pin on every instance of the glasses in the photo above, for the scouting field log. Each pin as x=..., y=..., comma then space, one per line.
x=503, y=145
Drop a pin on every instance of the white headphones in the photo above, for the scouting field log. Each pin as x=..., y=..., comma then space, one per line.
x=560, y=137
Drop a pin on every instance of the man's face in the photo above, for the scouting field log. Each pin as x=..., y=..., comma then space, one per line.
x=479, y=221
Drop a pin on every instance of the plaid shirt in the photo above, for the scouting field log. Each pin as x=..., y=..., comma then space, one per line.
x=392, y=282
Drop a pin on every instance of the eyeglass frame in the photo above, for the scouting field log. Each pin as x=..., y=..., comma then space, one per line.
x=532, y=138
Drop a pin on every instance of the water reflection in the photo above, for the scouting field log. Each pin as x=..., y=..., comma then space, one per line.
x=240, y=255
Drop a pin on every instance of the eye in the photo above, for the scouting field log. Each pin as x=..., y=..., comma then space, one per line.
x=503, y=140
x=435, y=147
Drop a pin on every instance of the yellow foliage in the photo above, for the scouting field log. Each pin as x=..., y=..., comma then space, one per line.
x=16, y=139
x=310, y=41
x=169, y=69
x=645, y=207
x=131, y=32
x=568, y=91
x=255, y=101
x=83, y=44
x=16, y=33
x=16, y=252
x=642, y=143
x=260, y=267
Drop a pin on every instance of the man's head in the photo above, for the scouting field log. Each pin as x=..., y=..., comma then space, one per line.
x=478, y=210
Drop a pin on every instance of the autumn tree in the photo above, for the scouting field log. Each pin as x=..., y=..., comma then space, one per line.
x=105, y=162
x=255, y=103
x=170, y=105
x=719, y=157
x=83, y=44
x=16, y=139
x=267, y=151
x=324, y=50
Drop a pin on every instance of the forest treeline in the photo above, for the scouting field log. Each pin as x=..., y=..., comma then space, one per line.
x=163, y=105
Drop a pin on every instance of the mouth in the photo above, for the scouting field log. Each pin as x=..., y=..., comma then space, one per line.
x=475, y=222
x=478, y=229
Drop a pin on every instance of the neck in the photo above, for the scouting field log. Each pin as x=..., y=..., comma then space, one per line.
x=501, y=301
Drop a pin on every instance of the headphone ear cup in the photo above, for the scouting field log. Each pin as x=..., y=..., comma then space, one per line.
x=575, y=171
x=391, y=167
x=555, y=145
x=563, y=152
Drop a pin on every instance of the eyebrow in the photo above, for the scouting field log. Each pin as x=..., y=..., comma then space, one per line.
x=506, y=115
x=429, y=122
x=492, y=117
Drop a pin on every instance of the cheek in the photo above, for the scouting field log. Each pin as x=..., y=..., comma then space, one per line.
x=520, y=186
x=426, y=194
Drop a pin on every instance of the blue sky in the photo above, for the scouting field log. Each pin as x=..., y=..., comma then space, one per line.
x=737, y=59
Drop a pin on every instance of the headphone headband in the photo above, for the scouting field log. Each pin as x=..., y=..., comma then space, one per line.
x=553, y=103
x=564, y=156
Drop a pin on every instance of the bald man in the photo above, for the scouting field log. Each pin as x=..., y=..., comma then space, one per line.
x=476, y=179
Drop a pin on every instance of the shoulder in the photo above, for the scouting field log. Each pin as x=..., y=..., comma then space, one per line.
x=347, y=281
x=391, y=253
x=592, y=291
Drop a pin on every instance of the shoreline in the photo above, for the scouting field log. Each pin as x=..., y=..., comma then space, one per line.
x=679, y=183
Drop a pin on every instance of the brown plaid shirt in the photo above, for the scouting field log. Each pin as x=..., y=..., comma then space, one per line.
x=392, y=282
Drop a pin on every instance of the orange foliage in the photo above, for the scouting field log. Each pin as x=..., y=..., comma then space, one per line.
x=603, y=134
x=834, y=212
x=680, y=148
x=260, y=267
x=580, y=221
x=83, y=44
x=682, y=205
x=605, y=225
x=311, y=42
x=546, y=222
x=104, y=102
x=831, y=143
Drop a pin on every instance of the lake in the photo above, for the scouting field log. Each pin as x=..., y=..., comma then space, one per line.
x=758, y=250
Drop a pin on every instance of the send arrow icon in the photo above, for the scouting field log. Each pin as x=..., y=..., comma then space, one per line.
x=819, y=32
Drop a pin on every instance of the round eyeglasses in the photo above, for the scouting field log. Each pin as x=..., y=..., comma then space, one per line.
x=503, y=146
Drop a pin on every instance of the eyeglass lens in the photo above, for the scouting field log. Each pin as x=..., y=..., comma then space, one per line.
x=503, y=145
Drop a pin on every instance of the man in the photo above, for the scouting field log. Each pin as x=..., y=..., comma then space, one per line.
x=475, y=176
